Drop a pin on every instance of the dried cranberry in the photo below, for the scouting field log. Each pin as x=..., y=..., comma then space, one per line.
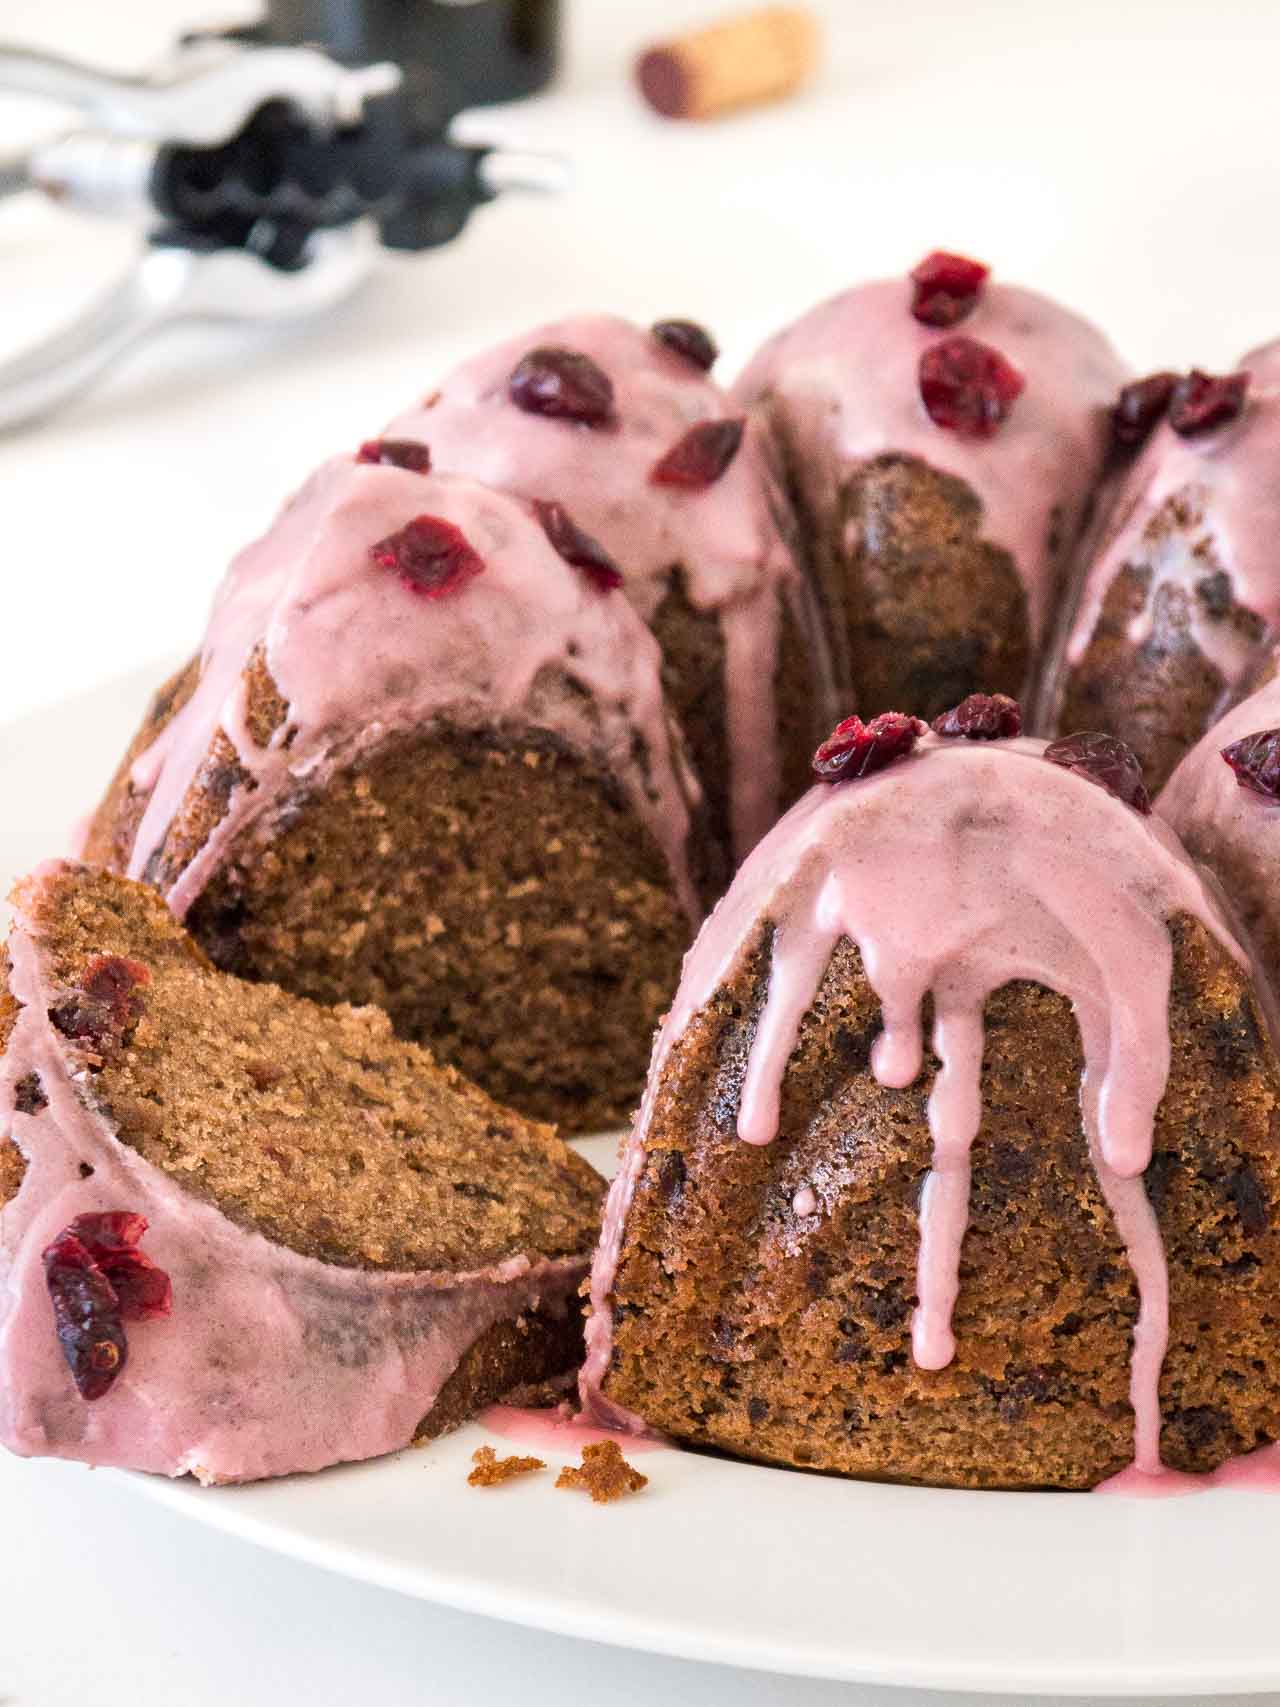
x=856, y=749
x=1140, y=407
x=109, y=1230
x=105, y=1006
x=1106, y=760
x=1202, y=401
x=430, y=555
x=86, y=1313
x=982, y=717
x=947, y=288
x=111, y=1238
x=28, y=1094
x=967, y=387
x=577, y=547
x=564, y=384
x=1256, y=761
x=686, y=338
x=701, y=456
x=396, y=453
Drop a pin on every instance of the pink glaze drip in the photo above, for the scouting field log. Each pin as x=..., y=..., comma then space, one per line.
x=271, y=1362
x=841, y=386
x=725, y=536
x=954, y=872
x=558, y=1429
x=1230, y=476
x=805, y=1201
x=1253, y=1472
x=358, y=656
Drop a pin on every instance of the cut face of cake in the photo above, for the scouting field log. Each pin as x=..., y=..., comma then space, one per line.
x=1186, y=578
x=424, y=760
x=243, y=1235
x=958, y=1158
x=620, y=433
x=942, y=438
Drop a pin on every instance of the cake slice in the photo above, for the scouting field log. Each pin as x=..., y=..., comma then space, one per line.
x=960, y=1154
x=241, y=1234
x=423, y=759
x=622, y=429
x=943, y=436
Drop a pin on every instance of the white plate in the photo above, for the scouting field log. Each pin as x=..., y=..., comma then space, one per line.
x=724, y=1561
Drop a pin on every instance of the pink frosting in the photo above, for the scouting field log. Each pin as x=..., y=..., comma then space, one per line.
x=1231, y=476
x=955, y=871
x=725, y=536
x=841, y=383
x=271, y=1362
x=358, y=656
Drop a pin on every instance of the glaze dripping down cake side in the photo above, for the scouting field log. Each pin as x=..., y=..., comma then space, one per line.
x=425, y=761
x=958, y=1156
x=248, y=1235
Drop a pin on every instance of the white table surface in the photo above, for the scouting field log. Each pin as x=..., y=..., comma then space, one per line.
x=1121, y=153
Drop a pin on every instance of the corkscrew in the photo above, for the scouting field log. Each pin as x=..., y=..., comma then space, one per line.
x=265, y=175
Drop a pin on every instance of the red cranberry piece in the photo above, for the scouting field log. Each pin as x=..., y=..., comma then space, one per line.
x=86, y=1313
x=111, y=1238
x=28, y=1095
x=1256, y=761
x=1202, y=401
x=856, y=749
x=430, y=555
x=577, y=547
x=564, y=384
x=1106, y=760
x=1140, y=408
x=701, y=456
x=396, y=453
x=109, y=1230
x=982, y=717
x=686, y=338
x=106, y=1004
x=967, y=387
x=947, y=288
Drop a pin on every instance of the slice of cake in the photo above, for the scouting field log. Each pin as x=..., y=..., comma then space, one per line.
x=241, y=1234
x=424, y=760
x=943, y=436
x=958, y=1161
x=622, y=432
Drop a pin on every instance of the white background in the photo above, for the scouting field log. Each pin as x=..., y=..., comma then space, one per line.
x=1124, y=154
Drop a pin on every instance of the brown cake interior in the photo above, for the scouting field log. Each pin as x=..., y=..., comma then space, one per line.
x=314, y=1126
x=740, y=1325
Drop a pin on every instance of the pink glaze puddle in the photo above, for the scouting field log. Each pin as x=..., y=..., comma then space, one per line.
x=1256, y=1472
x=552, y=1430
x=956, y=871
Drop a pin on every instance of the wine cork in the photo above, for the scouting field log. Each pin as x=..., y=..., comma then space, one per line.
x=755, y=56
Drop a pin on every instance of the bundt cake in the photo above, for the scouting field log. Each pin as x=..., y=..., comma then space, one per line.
x=423, y=760
x=622, y=432
x=1186, y=579
x=1224, y=802
x=242, y=1234
x=958, y=1156
x=942, y=438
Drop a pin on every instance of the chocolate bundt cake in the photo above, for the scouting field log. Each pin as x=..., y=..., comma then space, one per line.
x=241, y=1234
x=424, y=760
x=622, y=433
x=958, y=1156
x=1224, y=802
x=942, y=437
x=1186, y=579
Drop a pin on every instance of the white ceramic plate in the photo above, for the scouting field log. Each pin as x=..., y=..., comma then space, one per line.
x=724, y=1561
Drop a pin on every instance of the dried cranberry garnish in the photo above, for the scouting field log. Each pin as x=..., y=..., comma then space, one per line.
x=701, y=456
x=1256, y=761
x=396, y=453
x=577, y=547
x=111, y=1238
x=430, y=555
x=562, y=383
x=86, y=1313
x=1202, y=401
x=968, y=387
x=855, y=748
x=982, y=717
x=1139, y=408
x=28, y=1094
x=1106, y=760
x=947, y=288
x=686, y=338
x=105, y=1006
